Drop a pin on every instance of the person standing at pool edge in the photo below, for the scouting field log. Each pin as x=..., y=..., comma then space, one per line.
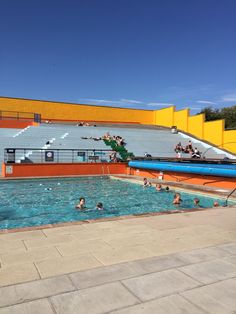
x=81, y=204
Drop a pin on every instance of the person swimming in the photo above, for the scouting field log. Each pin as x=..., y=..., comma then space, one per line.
x=81, y=204
x=167, y=189
x=99, y=206
x=146, y=183
x=177, y=199
x=158, y=187
x=196, y=202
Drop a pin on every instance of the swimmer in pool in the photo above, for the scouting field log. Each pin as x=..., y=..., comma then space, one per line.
x=99, y=206
x=177, y=199
x=81, y=204
x=146, y=183
x=158, y=187
x=196, y=202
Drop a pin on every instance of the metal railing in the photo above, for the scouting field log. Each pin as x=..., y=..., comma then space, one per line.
x=38, y=155
x=23, y=116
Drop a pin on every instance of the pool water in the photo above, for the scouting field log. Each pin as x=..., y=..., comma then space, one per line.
x=49, y=201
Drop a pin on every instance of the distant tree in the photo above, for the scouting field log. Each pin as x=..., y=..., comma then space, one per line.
x=228, y=113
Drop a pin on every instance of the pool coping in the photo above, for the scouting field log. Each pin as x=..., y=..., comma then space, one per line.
x=136, y=180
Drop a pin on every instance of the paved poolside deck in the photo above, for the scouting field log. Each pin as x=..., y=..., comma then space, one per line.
x=178, y=261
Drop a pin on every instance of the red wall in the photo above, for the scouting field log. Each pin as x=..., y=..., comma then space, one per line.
x=16, y=124
x=63, y=169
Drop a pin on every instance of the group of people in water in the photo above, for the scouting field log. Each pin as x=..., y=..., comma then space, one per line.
x=177, y=197
x=82, y=205
x=188, y=149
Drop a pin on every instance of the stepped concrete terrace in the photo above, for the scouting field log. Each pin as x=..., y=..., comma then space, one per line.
x=140, y=139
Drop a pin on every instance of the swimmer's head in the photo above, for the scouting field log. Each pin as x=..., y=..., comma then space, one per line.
x=216, y=204
x=99, y=205
x=196, y=201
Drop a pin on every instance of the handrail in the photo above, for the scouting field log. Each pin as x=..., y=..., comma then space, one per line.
x=226, y=201
x=55, y=155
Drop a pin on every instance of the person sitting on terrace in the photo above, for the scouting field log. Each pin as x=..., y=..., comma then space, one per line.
x=113, y=157
x=178, y=147
x=196, y=153
x=147, y=155
x=107, y=136
x=189, y=146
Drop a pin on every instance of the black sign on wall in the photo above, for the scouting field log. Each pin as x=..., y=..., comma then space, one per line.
x=11, y=155
x=49, y=155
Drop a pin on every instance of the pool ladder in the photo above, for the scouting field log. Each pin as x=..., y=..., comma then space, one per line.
x=226, y=201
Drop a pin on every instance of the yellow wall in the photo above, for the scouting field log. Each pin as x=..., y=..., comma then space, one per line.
x=230, y=140
x=195, y=125
x=181, y=119
x=213, y=132
x=164, y=117
x=65, y=111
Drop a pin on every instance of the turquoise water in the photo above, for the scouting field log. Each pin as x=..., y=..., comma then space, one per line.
x=48, y=201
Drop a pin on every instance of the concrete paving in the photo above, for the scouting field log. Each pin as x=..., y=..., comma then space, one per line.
x=178, y=263
x=165, y=284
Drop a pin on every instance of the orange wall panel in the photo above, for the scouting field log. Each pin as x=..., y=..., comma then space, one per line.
x=188, y=178
x=16, y=124
x=63, y=169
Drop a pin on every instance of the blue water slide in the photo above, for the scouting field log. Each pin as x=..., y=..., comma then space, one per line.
x=221, y=170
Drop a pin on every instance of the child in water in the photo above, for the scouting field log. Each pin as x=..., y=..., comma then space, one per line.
x=99, y=206
x=177, y=199
x=81, y=204
x=146, y=183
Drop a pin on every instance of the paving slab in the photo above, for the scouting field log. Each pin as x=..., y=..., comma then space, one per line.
x=102, y=275
x=173, y=304
x=64, y=265
x=79, y=247
x=159, y=284
x=35, y=307
x=96, y=300
x=211, y=271
x=229, y=247
x=15, y=274
x=49, y=241
x=33, y=255
x=9, y=246
x=216, y=298
x=231, y=259
x=25, y=235
x=123, y=254
x=202, y=255
x=33, y=290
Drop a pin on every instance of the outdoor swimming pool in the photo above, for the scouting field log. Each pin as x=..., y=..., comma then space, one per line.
x=38, y=202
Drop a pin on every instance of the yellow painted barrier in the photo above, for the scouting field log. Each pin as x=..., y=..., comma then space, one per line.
x=66, y=111
x=229, y=142
x=213, y=132
x=181, y=119
x=164, y=117
x=195, y=125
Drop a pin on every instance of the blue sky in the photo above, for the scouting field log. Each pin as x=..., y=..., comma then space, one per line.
x=126, y=53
